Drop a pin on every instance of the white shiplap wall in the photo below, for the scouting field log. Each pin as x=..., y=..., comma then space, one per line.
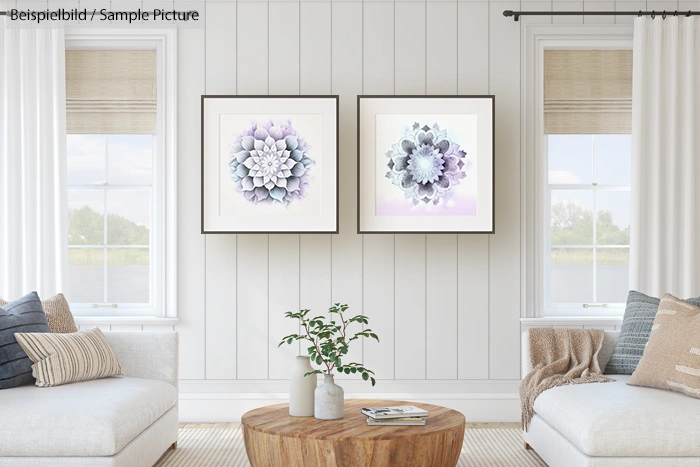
x=447, y=307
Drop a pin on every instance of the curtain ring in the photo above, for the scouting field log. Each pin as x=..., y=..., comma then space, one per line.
x=675, y=13
x=664, y=15
x=689, y=14
x=640, y=14
x=653, y=14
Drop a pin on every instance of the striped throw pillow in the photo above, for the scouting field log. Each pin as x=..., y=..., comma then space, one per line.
x=58, y=314
x=23, y=315
x=672, y=357
x=634, y=335
x=69, y=358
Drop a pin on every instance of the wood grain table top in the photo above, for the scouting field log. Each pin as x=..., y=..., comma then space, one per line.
x=275, y=419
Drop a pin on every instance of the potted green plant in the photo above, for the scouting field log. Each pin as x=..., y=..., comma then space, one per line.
x=330, y=341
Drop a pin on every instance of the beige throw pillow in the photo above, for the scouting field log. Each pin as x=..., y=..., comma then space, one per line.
x=68, y=358
x=57, y=312
x=671, y=359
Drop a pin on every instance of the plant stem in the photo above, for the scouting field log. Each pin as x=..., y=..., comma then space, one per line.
x=318, y=351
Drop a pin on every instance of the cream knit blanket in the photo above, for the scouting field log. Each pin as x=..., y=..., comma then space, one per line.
x=560, y=357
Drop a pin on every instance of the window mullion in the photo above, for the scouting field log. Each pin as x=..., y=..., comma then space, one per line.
x=595, y=223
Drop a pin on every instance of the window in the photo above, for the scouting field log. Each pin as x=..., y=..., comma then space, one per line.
x=110, y=211
x=120, y=173
x=589, y=197
x=585, y=153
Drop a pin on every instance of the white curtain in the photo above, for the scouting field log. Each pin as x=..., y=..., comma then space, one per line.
x=33, y=205
x=665, y=221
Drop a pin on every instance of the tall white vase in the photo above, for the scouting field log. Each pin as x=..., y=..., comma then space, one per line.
x=329, y=400
x=301, y=389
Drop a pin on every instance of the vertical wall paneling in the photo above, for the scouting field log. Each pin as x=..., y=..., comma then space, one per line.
x=378, y=266
x=441, y=250
x=629, y=6
x=346, y=78
x=315, y=40
x=473, y=250
x=410, y=50
x=252, y=306
x=315, y=54
x=283, y=259
x=688, y=5
x=252, y=47
x=221, y=249
x=567, y=6
x=190, y=248
x=441, y=59
x=504, y=253
x=598, y=6
x=660, y=6
x=540, y=5
x=253, y=250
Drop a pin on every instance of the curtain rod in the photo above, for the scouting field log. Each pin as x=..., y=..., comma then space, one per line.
x=517, y=14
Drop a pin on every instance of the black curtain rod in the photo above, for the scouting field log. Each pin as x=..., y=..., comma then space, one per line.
x=517, y=14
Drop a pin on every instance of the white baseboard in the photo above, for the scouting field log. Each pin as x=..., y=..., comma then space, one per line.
x=228, y=407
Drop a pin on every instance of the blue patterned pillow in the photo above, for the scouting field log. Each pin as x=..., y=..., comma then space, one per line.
x=23, y=315
x=634, y=335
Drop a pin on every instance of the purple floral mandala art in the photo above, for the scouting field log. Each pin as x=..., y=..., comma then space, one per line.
x=426, y=165
x=269, y=163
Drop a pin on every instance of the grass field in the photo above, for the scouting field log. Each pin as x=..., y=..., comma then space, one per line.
x=115, y=256
x=584, y=256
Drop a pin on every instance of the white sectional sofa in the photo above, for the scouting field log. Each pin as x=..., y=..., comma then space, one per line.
x=126, y=421
x=613, y=424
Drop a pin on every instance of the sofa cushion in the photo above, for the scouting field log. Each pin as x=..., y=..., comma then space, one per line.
x=69, y=357
x=90, y=418
x=634, y=335
x=617, y=420
x=23, y=315
x=58, y=313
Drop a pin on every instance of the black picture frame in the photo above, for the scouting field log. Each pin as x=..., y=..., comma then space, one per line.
x=360, y=99
x=205, y=97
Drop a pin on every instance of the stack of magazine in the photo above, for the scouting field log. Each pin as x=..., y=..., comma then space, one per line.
x=403, y=415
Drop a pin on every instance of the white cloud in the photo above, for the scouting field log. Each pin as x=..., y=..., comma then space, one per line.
x=563, y=177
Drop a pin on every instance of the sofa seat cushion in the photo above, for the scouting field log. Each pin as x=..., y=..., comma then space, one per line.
x=90, y=418
x=617, y=420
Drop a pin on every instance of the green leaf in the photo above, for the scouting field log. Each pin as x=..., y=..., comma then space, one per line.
x=365, y=376
x=337, y=361
x=346, y=370
x=373, y=381
x=319, y=360
x=354, y=370
x=290, y=340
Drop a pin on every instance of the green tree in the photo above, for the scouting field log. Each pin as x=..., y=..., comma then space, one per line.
x=86, y=227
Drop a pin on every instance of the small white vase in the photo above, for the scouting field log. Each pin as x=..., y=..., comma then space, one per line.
x=301, y=389
x=329, y=401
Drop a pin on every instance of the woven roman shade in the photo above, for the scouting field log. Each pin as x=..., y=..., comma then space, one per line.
x=111, y=91
x=587, y=91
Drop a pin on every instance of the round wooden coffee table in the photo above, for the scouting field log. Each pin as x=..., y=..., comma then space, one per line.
x=273, y=438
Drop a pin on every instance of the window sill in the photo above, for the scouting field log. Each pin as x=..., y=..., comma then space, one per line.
x=571, y=321
x=138, y=320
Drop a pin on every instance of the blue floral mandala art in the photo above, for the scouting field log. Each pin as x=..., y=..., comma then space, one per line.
x=426, y=165
x=269, y=163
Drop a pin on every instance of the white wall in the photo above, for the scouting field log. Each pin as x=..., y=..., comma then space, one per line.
x=445, y=306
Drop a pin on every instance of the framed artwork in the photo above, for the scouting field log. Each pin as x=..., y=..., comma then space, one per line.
x=269, y=164
x=425, y=164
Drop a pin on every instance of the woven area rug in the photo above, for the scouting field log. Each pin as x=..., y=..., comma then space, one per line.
x=219, y=447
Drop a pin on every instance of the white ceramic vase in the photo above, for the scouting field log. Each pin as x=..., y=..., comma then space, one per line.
x=329, y=401
x=301, y=389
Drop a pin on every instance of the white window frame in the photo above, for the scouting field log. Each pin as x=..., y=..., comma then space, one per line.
x=163, y=247
x=534, y=175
